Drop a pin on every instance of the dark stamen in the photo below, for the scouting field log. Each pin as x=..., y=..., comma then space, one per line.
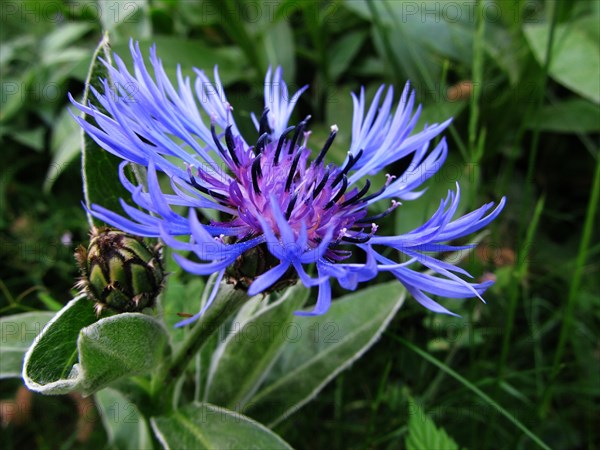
x=216, y=139
x=356, y=240
x=280, y=143
x=207, y=191
x=256, y=174
x=357, y=197
x=376, y=217
x=264, y=123
x=351, y=161
x=290, y=177
x=321, y=185
x=260, y=144
x=339, y=193
x=231, y=145
x=290, y=207
x=328, y=143
x=375, y=194
x=299, y=129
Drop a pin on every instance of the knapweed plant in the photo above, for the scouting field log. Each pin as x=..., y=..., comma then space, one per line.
x=268, y=217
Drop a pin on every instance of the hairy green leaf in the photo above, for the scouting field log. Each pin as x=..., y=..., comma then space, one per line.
x=318, y=348
x=17, y=332
x=204, y=426
x=125, y=426
x=77, y=352
x=241, y=362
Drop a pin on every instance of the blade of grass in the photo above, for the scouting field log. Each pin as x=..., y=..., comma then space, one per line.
x=567, y=322
x=466, y=383
x=414, y=54
x=383, y=381
x=237, y=31
x=536, y=132
x=338, y=407
x=520, y=272
x=385, y=40
x=476, y=150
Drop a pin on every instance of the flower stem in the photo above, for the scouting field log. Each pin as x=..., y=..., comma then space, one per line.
x=227, y=302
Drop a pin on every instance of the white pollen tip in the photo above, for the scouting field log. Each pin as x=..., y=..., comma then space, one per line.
x=334, y=128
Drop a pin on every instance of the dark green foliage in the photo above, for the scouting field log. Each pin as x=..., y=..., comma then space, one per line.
x=524, y=126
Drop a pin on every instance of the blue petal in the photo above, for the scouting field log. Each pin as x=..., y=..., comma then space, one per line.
x=267, y=279
x=323, y=301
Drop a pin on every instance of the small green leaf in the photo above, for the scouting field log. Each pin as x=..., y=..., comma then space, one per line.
x=49, y=363
x=440, y=111
x=343, y=52
x=504, y=48
x=13, y=97
x=571, y=116
x=323, y=346
x=278, y=42
x=65, y=146
x=204, y=426
x=124, y=424
x=417, y=45
x=241, y=362
x=124, y=344
x=17, y=332
x=423, y=434
x=65, y=35
x=33, y=138
x=575, y=59
x=126, y=19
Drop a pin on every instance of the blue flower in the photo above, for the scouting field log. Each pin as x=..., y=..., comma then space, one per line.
x=274, y=196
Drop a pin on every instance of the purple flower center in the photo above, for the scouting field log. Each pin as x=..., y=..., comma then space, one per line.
x=313, y=197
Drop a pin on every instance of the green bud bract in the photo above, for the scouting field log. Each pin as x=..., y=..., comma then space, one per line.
x=120, y=271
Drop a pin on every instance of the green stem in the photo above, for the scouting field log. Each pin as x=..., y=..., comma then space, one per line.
x=535, y=139
x=519, y=275
x=228, y=301
x=565, y=330
x=477, y=79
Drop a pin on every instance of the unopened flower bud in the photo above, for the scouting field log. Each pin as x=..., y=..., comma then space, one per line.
x=119, y=271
